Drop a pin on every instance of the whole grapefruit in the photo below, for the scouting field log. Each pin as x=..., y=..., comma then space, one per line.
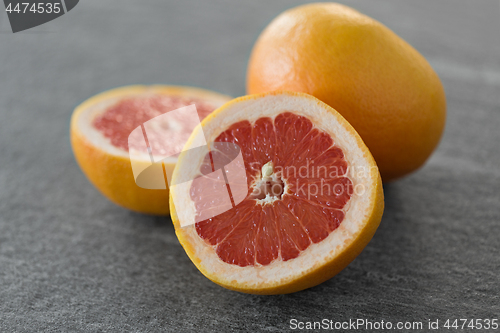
x=377, y=81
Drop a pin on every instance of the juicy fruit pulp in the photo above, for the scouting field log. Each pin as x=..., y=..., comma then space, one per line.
x=298, y=191
x=119, y=120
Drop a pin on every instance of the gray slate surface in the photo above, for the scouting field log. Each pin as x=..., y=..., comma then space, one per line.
x=72, y=261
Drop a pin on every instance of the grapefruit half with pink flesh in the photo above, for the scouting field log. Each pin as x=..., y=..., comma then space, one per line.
x=100, y=130
x=313, y=196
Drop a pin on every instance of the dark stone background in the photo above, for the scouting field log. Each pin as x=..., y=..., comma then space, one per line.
x=72, y=261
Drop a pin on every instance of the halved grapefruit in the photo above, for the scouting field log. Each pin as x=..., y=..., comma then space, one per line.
x=313, y=199
x=100, y=129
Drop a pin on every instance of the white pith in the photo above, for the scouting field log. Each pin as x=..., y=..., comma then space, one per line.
x=267, y=173
x=278, y=272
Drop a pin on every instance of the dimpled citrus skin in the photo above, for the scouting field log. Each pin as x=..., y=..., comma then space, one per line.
x=378, y=82
x=113, y=177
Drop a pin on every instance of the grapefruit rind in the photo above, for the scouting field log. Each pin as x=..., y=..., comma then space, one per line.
x=107, y=167
x=320, y=261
